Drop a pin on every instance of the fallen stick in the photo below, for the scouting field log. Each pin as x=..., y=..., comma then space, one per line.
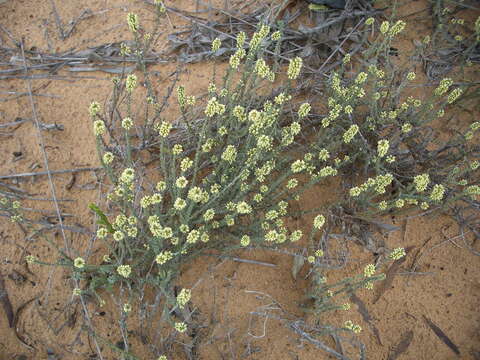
x=7, y=306
x=66, y=171
x=14, y=123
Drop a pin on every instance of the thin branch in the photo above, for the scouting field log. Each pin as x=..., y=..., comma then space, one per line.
x=295, y=326
x=52, y=188
x=49, y=172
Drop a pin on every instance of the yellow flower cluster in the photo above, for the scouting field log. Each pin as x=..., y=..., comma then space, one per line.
x=241, y=37
x=421, y=182
x=281, y=98
x=239, y=113
x=132, y=21
x=298, y=166
x=181, y=182
x=350, y=133
x=124, y=270
x=351, y=326
x=382, y=148
x=397, y=28
x=294, y=68
x=186, y=164
x=197, y=194
x=94, y=108
x=181, y=97
x=277, y=35
x=193, y=236
x=319, y=221
x=380, y=183
x=262, y=70
x=397, y=253
x=214, y=107
x=216, y=43
x=127, y=123
x=164, y=129
x=98, y=127
x=406, y=128
x=443, y=86
x=108, y=158
x=179, y=204
x=296, y=235
x=245, y=240
x=131, y=83
x=236, y=58
x=437, y=193
x=472, y=190
x=244, y=208
x=384, y=27
x=257, y=38
x=304, y=110
x=128, y=175
x=163, y=257
x=264, y=142
x=454, y=95
x=327, y=171
x=184, y=297
x=79, y=263
x=181, y=327
x=229, y=154
x=369, y=270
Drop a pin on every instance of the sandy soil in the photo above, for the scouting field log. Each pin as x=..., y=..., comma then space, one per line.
x=446, y=288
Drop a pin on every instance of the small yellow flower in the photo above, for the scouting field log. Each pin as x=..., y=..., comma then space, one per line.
x=245, y=240
x=124, y=270
x=102, y=233
x=384, y=27
x=294, y=68
x=319, y=221
x=397, y=253
x=79, y=263
x=94, y=108
x=181, y=182
x=421, y=182
x=108, y=158
x=304, y=110
x=127, y=123
x=382, y=148
x=276, y=35
x=132, y=21
x=319, y=253
x=77, y=292
x=98, y=127
x=131, y=82
x=244, y=208
x=369, y=270
x=216, y=44
x=184, y=297
x=181, y=327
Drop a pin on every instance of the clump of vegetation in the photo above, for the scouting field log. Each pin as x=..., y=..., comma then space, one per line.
x=224, y=176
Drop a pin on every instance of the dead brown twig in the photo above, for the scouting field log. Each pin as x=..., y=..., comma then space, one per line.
x=52, y=188
x=48, y=172
x=7, y=305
